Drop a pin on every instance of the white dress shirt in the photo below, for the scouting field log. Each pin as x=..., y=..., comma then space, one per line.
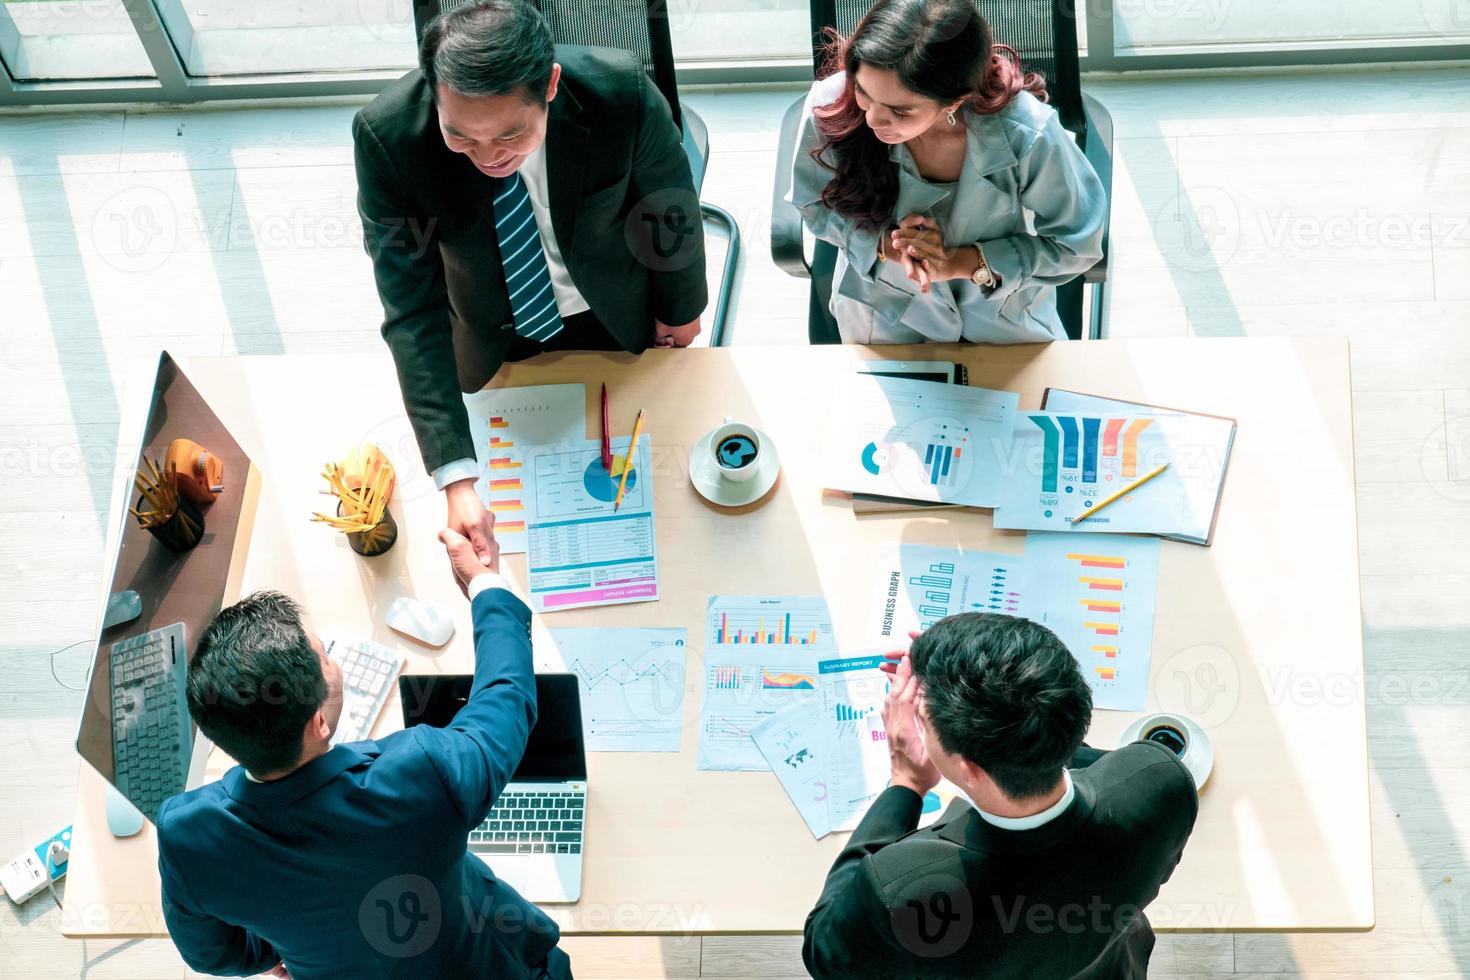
x=569, y=300
x=1034, y=820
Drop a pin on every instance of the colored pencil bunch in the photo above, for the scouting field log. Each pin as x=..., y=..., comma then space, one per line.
x=160, y=492
x=362, y=500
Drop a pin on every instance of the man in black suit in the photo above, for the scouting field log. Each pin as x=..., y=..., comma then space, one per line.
x=1041, y=871
x=518, y=197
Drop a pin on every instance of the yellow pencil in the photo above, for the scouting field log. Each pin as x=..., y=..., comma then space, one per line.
x=628, y=460
x=1128, y=489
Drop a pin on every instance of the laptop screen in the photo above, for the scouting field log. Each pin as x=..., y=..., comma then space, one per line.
x=554, y=752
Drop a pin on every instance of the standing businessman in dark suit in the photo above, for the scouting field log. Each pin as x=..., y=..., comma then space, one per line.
x=310, y=860
x=1041, y=871
x=518, y=197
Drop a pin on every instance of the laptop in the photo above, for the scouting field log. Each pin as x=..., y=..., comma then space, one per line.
x=532, y=840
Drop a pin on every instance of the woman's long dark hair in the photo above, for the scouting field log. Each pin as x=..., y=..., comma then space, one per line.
x=940, y=49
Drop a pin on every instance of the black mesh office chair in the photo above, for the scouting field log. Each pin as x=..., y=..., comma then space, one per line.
x=642, y=28
x=1044, y=34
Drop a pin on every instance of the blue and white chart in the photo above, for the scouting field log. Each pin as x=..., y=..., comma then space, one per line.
x=918, y=585
x=760, y=655
x=581, y=552
x=632, y=684
x=853, y=690
x=920, y=440
x=1097, y=594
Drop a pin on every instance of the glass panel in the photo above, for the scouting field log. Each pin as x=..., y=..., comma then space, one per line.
x=739, y=30
x=248, y=37
x=70, y=39
x=1148, y=25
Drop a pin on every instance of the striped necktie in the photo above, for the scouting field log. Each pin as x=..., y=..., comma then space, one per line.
x=527, y=277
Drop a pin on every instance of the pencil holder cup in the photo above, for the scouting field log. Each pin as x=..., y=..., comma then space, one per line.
x=183, y=530
x=374, y=541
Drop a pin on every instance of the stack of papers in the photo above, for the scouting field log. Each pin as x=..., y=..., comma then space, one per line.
x=761, y=655
x=919, y=440
x=830, y=751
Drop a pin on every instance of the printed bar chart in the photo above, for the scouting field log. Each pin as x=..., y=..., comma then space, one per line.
x=1100, y=603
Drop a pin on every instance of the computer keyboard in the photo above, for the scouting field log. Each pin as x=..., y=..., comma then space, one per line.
x=532, y=822
x=151, y=741
x=368, y=670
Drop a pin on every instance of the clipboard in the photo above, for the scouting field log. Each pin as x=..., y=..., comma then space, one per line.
x=1104, y=402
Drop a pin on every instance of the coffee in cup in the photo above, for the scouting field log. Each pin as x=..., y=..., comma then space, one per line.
x=736, y=449
x=1168, y=735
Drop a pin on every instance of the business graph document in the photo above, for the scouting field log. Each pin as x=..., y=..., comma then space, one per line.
x=1097, y=594
x=919, y=440
x=796, y=742
x=1202, y=460
x=858, y=769
x=581, y=552
x=508, y=425
x=760, y=656
x=918, y=585
x=632, y=684
x=1065, y=464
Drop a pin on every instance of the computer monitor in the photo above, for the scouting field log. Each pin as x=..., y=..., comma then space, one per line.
x=554, y=751
x=135, y=728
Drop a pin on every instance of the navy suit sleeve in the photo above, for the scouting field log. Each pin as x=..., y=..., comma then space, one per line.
x=207, y=944
x=478, y=752
x=848, y=933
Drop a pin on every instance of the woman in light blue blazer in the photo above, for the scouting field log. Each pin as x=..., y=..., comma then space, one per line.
x=955, y=198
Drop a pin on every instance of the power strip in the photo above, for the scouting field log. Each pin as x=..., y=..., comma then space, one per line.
x=27, y=875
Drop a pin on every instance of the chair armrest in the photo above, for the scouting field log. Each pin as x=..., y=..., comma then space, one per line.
x=1099, y=152
x=787, y=249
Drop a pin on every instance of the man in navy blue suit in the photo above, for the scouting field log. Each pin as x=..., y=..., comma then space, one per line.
x=308, y=860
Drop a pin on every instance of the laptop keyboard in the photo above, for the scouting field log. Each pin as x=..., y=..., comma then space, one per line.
x=531, y=822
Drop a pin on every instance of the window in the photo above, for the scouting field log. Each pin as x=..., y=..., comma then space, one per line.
x=70, y=39
x=251, y=37
x=1149, y=26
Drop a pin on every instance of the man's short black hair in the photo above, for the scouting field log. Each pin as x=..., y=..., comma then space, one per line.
x=493, y=47
x=255, y=681
x=1006, y=694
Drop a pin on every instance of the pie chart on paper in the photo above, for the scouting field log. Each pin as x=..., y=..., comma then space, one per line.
x=876, y=458
x=601, y=484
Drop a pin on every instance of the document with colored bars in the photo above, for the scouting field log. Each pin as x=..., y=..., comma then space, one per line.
x=1065, y=464
x=508, y=425
x=581, y=551
x=760, y=656
x=918, y=585
x=1097, y=594
x=919, y=440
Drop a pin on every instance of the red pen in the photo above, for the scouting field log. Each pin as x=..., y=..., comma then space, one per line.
x=606, y=435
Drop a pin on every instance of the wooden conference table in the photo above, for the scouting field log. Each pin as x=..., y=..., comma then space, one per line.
x=1257, y=637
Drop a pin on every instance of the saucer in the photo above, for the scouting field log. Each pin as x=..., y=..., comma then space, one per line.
x=704, y=473
x=1199, y=757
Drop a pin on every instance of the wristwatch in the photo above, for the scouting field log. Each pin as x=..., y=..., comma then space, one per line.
x=982, y=276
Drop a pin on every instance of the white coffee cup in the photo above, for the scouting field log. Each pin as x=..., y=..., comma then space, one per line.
x=750, y=461
x=1168, y=731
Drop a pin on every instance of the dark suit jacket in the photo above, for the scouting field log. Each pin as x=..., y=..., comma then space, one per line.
x=356, y=865
x=622, y=204
x=963, y=898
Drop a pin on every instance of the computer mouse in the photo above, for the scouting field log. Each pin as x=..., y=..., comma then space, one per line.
x=122, y=607
x=420, y=621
